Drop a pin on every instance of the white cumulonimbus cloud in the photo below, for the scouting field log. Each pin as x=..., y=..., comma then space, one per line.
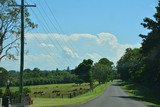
x=71, y=48
x=45, y=45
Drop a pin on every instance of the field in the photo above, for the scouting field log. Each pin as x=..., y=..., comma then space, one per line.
x=82, y=94
x=47, y=91
x=57, y=90
x=50, y=102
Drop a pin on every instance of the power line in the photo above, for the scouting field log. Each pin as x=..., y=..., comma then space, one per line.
x=48, y=29
x=45, y=29
x=46, y=51
x=69, y=45
x=54, y=17
x=58, y=23
x=50, y=49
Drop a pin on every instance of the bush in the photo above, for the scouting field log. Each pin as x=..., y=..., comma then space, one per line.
x=26, y=91
x=1, y=92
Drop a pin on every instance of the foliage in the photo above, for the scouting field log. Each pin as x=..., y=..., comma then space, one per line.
x=10, y=28
x=151, y=49
x=150, y=96
x=37, y=77
x=3, y=76
x=83, y=70
x=102, y=71
x=105, y=61
x=130, y=66
x=143, y=65
x=83, y=73
x=7, y=91
x=26, y=91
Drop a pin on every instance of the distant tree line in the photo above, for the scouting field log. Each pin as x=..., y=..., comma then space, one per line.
x=37, y=77
x=85, y=72
x=142, y=65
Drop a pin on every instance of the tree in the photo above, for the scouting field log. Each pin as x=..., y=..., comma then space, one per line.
x=143, y=65
x=68, y=69
x=10, y=28
x=37, y=76
x=152, y=39
x=105, y=61
x=151, y=49
x=84, y=70
x=130, y=66
x=102, y=71
x=3, y=76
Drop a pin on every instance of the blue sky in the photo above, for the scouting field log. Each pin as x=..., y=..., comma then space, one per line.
x=88, y=29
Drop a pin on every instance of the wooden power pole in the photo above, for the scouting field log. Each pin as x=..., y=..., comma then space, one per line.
x=22, y=6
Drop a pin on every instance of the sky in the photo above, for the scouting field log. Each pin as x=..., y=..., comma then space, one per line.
x=72, y=30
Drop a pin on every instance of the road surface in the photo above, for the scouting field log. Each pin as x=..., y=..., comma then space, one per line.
x=114, y=96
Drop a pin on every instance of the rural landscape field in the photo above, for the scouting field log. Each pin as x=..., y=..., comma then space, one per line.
x=50, y=99
x=79, y=53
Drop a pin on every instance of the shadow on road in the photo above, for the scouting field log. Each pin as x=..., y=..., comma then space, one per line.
x=127, y=97
x=133, y=98
x=140, y=93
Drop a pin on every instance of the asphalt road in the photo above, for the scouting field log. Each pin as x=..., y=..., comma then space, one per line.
x=114, y=96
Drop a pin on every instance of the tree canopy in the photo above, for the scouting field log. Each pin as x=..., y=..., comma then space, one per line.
x=143, y=65
x=83, y=70
x=102, y=70
x=10, y=28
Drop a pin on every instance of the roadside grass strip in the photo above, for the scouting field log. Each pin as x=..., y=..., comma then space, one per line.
x=141, y=93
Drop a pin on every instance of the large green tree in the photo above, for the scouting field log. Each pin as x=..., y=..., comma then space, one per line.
x=102, y=70
x=84, y=70
x=10, y=28
x=105, y=61
x=130, y=66
x=151, y=48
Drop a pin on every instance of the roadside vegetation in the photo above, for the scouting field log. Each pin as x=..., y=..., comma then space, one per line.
x=142, y=93
x=140, y=67
x=60, y=87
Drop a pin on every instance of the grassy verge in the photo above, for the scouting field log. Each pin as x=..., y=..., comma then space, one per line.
x=141, y=93
x=50, y=102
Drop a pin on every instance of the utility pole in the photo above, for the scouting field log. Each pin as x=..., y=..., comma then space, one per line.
x=22, y=6
x=22, y=52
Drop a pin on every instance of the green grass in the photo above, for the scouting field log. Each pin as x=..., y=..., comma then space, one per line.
x=63, y=88
x=141, y=93
x=50, y=102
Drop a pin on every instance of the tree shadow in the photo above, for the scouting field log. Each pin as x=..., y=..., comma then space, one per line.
x=128, y=97
x=141, y=93
x=119, y=83
x=134, y=98
x=115, y=85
